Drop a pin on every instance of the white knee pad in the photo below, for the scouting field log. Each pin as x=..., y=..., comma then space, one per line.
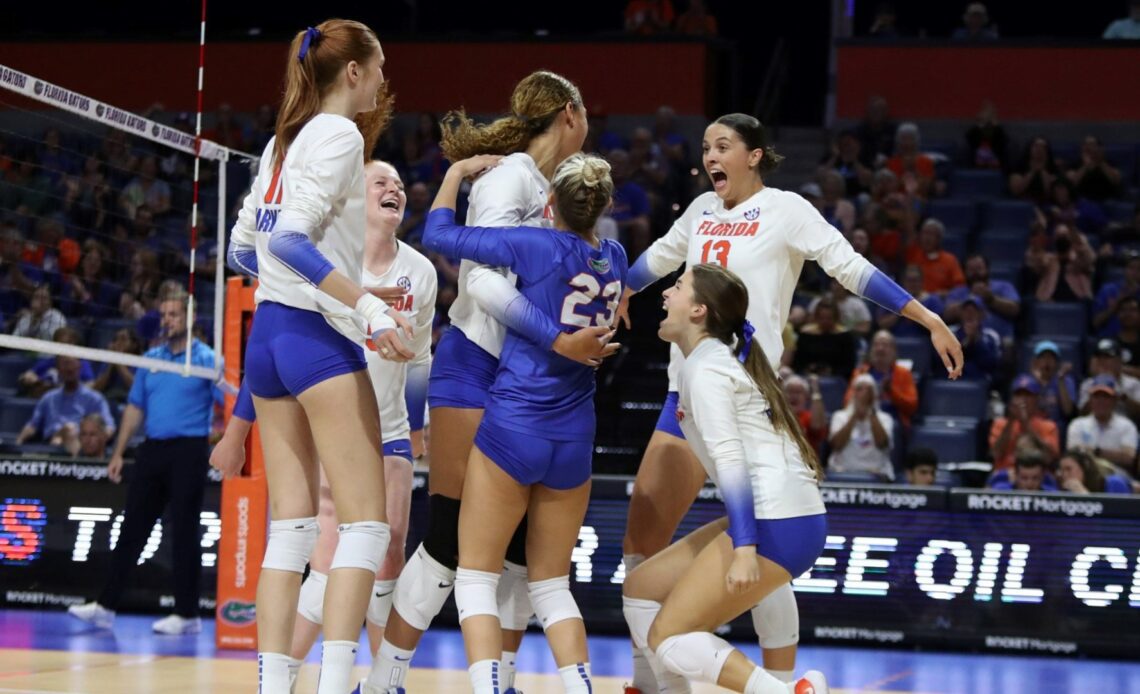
x=514, y=597
x=552, y=601
x=380, y=604
x=311, y=604
x=290, y=544
x=475, y=593
x=697, y=655
x=776, y=619
x=639, y=615
x=361, y=545
x=422, y=588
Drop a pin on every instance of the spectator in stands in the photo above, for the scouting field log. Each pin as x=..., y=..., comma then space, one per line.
x=59, y=411
x=668, y=140
x=146, y=189
x=121, y=162
x=898, y=395
x=883, y=25
x=604, y=138
x=1095, y=178
x=921, y=465
x=1108, y=361
x=40, y=320
x=170, y=468
x=43, y=251
x=145, y=279
x=838, y=212
x=17, y=279
x=823, y=347
x=981, y=346
x=976, y=25
x=696, y=20
x=1065, y=276
x=648, y=17
x=43, y=376
x=423, y=155
x=853, y=312
x=876, y=132
x=1106, y=307
x=912, y=281
x=861, y=434
x=1022, y=418
x=885, y=225
x=227, y=129
x=411, y=229
x=53, y=162
x=648, y=166
x=914, y=169
x=1000, y=298
x=87, y=197
x=115, y=380
x=849, y=160
x=1066, y=208
x=1129, y=336
x=1080, y=473
x=940, y=270
x=1030, y=474
x=1128, y=27
x=807, y=402
x=1035, y=173
x=861, y=242
x=93, y=437
x=1104, y=432
x=630, y=208
x=987, y=142
x=89, y=292
x=1057, y=395
x=24, y=190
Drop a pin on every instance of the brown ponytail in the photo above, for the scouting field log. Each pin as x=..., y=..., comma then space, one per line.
x=332, y=44
x=726, y=298
x=535, y=103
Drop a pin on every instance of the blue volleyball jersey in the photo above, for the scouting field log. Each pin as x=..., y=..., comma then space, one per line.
x=537, y=391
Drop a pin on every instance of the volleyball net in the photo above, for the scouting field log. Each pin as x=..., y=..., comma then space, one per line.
x=98, y=225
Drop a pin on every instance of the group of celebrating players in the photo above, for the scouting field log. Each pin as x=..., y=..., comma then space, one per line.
x=338, y=365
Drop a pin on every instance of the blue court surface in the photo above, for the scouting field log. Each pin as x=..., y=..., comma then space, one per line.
x=848, y=669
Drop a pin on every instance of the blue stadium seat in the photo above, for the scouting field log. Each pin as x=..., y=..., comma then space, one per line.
x=1003, y=247
x=104, y=331
x=918, y=351
x=1119, y=211
x=956, y=242
x=969, y=183
x=852, y=477
x=15, y=413
x=961, y=214
x=832, y=388
x=943, y=398
x=941, y=422
x=947, y=478
x=1015, y=214
x=1005, y=271
x=1060, y=319
x=952, y=445
x=11, y=367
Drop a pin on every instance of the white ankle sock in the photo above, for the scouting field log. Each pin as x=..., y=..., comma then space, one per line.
x=484, y=676
x=507, y=669
x=643, y=677
x=760, y=682
x=390, y=668
x=576, y=679
x=273, y=673
x=337, y=659
x=782, y=675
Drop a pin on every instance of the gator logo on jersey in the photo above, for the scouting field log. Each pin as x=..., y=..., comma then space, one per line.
x=600, y=265
x=752, y=214
x=404, y=283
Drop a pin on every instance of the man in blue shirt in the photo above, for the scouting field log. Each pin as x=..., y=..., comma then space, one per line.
x=1000, y=299
x=170, y=469
x=59, y=411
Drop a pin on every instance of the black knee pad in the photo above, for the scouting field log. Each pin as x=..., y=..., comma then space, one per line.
x=442, y=539
x=516, y=551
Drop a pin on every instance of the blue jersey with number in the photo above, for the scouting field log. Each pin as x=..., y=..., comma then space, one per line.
x=537, y=391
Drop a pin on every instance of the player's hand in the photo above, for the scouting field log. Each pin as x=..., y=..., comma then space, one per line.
x=587, y=346
x=388, y=295
x=475, y=165
x=622, y=313
x=744, y=572
x=115, y=468
x=948, y=349
x=228, y=456
x=389, y=346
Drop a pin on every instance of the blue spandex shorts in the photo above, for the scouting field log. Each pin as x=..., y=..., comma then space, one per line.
x=291, y=350
x=793, y=543
x=400, y=448
x=667, y=420
x=532, y=459
x=462, y=373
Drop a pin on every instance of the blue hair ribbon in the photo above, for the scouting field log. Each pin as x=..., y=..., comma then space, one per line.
x=749, y=330
x=311, y=35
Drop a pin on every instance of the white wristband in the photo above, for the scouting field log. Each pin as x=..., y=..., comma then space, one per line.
x=375, y=313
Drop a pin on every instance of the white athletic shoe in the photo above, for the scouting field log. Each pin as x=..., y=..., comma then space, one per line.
x=93, y=613
x=176, y=626
x=813, y=682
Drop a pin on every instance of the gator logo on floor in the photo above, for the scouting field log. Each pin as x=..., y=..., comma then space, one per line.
x=238, y=613
x=600, y=265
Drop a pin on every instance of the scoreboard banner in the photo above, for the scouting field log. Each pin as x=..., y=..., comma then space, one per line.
x=903, y=566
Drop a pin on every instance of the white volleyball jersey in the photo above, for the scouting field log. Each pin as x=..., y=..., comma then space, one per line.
x=765, y=241
x=415, y=273
x=724, y=418
x=512, y=194
x=318, y=191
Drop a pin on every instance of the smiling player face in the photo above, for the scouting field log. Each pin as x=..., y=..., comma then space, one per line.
x=729, y=163
x=384, y=195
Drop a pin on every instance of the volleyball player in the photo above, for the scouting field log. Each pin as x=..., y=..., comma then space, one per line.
x=764, y=235
x=546, y=124
x=533, y=448
x=732, y=409
x=300, y=231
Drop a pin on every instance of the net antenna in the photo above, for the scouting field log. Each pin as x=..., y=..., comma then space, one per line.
x=138, y=126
